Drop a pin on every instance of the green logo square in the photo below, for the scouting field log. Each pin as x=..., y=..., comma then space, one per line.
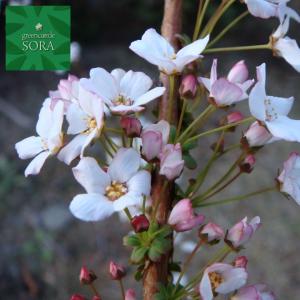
x=37, y=38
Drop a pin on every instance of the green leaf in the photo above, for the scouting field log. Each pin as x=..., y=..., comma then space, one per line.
x=189, y=146
x=12, y=48
x=47, y=63
x=172, y=134
x=138, y=254
x=189, y=161
x=16, y=64
x=62, y=49
x=131, y=240
x=60, y=26
x=12, y=28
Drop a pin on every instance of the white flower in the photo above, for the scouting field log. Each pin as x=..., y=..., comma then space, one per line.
x=121, y=186
x=284, y=46
x=221, y=278
x=273, y=111
x=158, y=51
x=123, y=92
x=229, y=90
x=289, y=178
x=85, y=119
x=49, y=139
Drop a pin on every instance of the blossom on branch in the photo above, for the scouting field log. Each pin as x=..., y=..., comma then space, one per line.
x=158, y=51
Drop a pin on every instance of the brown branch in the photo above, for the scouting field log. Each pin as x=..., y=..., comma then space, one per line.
x=158, y=272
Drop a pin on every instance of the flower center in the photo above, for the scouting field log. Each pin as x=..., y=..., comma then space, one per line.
x=91, y=125
x=271, y=113
x=215, y=279
x=115, y=190
x=121, y=100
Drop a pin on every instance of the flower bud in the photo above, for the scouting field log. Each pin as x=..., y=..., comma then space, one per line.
x=253, y=292
x=116, y=271
x=247, y=165
x=131, y=126
x=171, y=162
x=241, y=232
x=140, y=223
x=211, y=233
x=77, y=297
x=130, y=294
x=86, y=276
x=188, y=87
x=240, y=262
x=234, y=117
x=154, y=137
x=183, y=218
x=238, y=73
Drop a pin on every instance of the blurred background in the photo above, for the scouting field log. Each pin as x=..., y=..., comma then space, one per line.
x=43, y=246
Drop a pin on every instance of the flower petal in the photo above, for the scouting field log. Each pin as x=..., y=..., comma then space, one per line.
x=194, y=49
x=282, y=106
x=91, y=207
x=37, y=163
x=77, y=119
x=140, y=183
x=124, y=165
x=149, y=96
x=91, y=176
x=205, y=288
x=129, y=199
x=118, y=74
x=257, y=99
x=29, y=147
x=233, y=280
x=262, y=9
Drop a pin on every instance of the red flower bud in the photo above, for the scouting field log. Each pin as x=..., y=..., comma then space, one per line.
x=140, y=223
x=247, y=164
x=86, y=276
x=241, y=262
x=116, y=271
x=188, y=87
x=77, y=297
x=131, y=126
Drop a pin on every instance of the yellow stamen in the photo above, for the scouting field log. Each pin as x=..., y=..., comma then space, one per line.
x=115, y=190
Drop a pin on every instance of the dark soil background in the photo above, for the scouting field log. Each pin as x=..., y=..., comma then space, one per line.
x=43, y=246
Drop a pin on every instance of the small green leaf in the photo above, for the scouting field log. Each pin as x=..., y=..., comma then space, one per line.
x=189, y=161
x=172, y=134
x=189, y=146
x=131, y=240
x=138, y=254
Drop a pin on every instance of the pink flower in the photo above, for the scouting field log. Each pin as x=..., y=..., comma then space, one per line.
x=131, y=126
x=86, y=276
x=116, y=271
x=130, y=294
x=254, y=292
x=77, y=297
x=234, y=117
x=257, y=135
x=189, y=86
x=227, y=91
x=140, y=223
x=240, y=262
x=289, y=178
x=154, y=137
x=247, y=164
x=171, y=163
x=211, y=233
x=221, y=278
x=183, y=218
x=241, y=232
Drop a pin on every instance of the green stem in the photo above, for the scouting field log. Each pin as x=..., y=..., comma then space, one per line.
x=183, y=108
x=227, y=28
x=208, y=110
x=104, y=145
x=171, y=97
x=94, y=290
x=247, y=120
x=240, y=48
x=128, y=214
x=122, y=289
x=113, y=130
x=200, y=17
x=235, y=199
x=110, y=142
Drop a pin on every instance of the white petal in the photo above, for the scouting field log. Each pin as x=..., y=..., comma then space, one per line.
x=262, y=9
x=206, y=82
x=285, y=128
x=37, y=163
x=135, y=84
x=54, y=134
x=124, y=165
x=282, y=106
x=45, y=119
x=129, y=199
x=257, y=99
x=101, y=83
x=89, y=138
x=118, y=74
x=261, y=74
x=182, y=61
x=91, y=176
x=140, y=183
x=233, y=280
x=193, y=49
x=205, y=288
x=91, y=207
x=126, y=109
x=77, y=119
x=29, y=147
x=72, y=149
x=149, y=96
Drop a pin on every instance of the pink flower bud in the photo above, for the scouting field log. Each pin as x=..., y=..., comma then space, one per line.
x=188, y=87
x=171, y=163
x=116, y=271
x=247, y=164
x=140, y=223
x=257, y=136
x=131, y=126
x=254, y=292
x=130, y=294
x=77, y=297
x=239, y=73
x=241, y=232
x=211, y=233
x=234, y=117
x=183, y=218
x=86, y=276
x=154, y=137
x=240, y=262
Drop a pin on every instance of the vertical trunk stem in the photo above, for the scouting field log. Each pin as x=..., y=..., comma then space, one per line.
x=158, y=272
